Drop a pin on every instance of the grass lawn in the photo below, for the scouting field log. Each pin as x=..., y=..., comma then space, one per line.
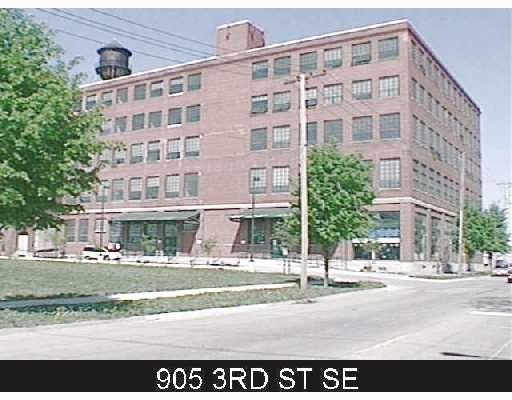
x=21, y=279
x=46, y=315
x=451, y=276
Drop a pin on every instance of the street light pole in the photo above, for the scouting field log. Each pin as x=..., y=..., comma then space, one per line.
x=102, y=228
x=253, y=206
x=462, y=191
x=303, y=184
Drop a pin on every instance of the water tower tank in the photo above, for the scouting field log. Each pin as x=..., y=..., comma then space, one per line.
x=114, y=61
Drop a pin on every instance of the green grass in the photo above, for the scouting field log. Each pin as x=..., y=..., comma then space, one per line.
x=22, y=279
x=47, y=315
x=451, y=276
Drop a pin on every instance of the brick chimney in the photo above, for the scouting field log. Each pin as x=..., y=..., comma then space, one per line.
x=239, y=36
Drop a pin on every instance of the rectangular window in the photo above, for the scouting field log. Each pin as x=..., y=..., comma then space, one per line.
x=106, y=98
x=282, y=102
x=106, y=157
x=90, y=101
x=361, y=53
x=156, y=89
x=420, y=236
x=69, y=230
x=83, y=230
x=192, y=146
x=388, y=48
x=85, y=197
x=257, y=180
x=119, y=156
x=281, y=137
x=333, y=58
x=153, y=151
x=259, y=104
x=138, y=122
x=175, y=117
x=155, y=119
x=194, y=82
x=120, y=124
x=389, y=126
x=258, y=139
x=135, y=192
x=260, y=70
x=191, y=185
x=152, y=187
x=362, y=128
x=390, y=174
x=173, y=149
x=176, y=85
x=362, y=90
x=100, y=225
x=137, y=153
x=389, y=86
x=194, y=113
x=333, y=131
x=280, y=179
x=107, y=127
x=308, y=62
x=282, y=66
x=311, y=97
x=333, y=94
x=311, y=133
x=172, y=186
x=139, y=92
x=122, y=96
x=118, y=189
x=102, y=193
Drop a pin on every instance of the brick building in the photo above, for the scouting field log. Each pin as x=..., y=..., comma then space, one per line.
x=203, y=136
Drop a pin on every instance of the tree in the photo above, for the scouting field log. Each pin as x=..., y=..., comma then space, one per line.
x=339, y=188
x=48, y=147
x=495, y=237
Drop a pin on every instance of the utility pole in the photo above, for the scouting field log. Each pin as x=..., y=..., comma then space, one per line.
x=303, y=184
x=462, y=191
x=253, y=206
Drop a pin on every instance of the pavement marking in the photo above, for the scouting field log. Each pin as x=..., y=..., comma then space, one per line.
x=497, y=352
x=493, y=313
x=382, y=344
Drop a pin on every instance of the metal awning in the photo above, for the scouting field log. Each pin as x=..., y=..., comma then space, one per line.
x=156, y=216
x=262, y=213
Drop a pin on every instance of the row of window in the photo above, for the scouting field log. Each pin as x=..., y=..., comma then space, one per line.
x=142, y=91
x=429, y=181
x=332, y=58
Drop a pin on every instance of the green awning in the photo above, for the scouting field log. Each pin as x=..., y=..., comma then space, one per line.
x=155, y=216
x=262, y=213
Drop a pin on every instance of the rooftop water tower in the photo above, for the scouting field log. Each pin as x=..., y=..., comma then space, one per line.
x=114, y=61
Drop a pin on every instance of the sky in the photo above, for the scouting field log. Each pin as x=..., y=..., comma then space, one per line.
x=473, y=44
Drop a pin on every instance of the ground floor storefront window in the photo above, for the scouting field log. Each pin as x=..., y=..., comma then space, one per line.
x=420, y=236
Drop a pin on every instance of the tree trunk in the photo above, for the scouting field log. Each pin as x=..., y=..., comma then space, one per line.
x=326, y=271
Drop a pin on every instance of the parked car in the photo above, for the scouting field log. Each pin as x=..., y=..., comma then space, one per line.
x=501, y=269
x=99, y=253
x=48, y=253
x=509, y=279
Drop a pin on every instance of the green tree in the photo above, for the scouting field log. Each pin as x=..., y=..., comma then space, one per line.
x=495, y=237
x=47, y=147
x=339, y=188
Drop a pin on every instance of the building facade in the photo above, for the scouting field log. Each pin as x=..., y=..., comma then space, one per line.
x=206, y=140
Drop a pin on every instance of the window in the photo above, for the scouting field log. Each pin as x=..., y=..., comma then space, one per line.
x=119, y=156
x=259, y=104
x=258, y=231
x=388, y=48
x=176, y=85
x=106, y=157
x=137, y=153
x=194, y=113
x=173, y=149
x=135, y=192
x=192, y=146
x=194, y=82
x=138, y=122
x=311, y=97
x=420, y=236
x=311, y=133
x=282, y=66
x=389, y=126
x=389, y=86
x=191, y=185
x=175, y=116
x=107, y=127
x=333, y=94
x=281, y=137
x=90, y=101
x=390, y=174
x=122, y=96
x=100, y=225
x=257, y=180
x=102, y=192
x=362, y=90
x=117, y=189
x=69, y=230
x=139, y=92
x=120, y=124
x=362, y=128
x=258, y=139
x=172, y=186
x=85, y=197
x=260, y=70
x=153, y=151
x=106, y=98
x=361, y=53
x=333, y=131
x=280, y=179
x=308, y=62
x=152, y=187
x=156, y=89
x=83, y=230
x=333, y=58
x=281, y=101
x=155, y=119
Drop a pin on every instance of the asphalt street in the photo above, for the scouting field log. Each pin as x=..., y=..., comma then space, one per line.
x=409, y=319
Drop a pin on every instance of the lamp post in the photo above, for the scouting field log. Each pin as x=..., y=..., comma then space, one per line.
x=253, y=206
x=102, y=227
